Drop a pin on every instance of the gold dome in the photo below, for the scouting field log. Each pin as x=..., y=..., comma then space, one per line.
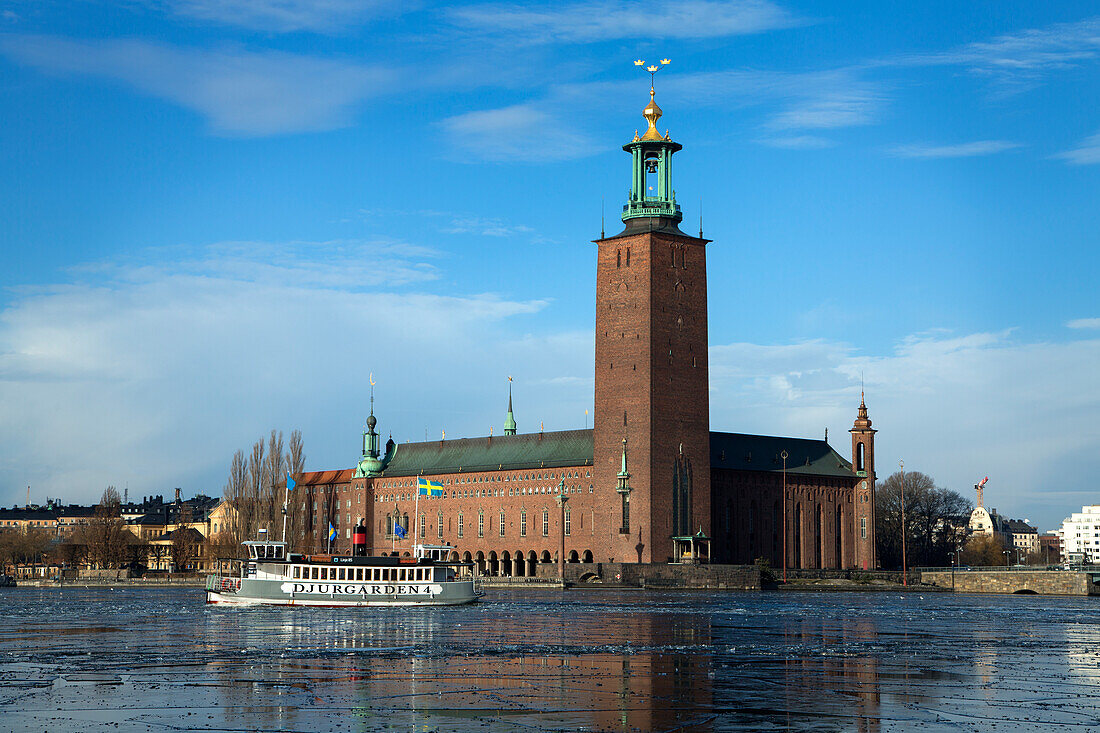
x=652, y=113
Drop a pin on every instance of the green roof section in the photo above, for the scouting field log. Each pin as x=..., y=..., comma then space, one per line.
x=741, y=452
x=494, y=453
x=732, y=451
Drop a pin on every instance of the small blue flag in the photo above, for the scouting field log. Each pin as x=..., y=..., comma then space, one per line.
x=331, y=532
x=290, y=483
x=399, y=531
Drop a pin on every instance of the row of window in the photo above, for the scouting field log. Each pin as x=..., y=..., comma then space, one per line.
x=490, y=479
x=487, y=493
x=312, y=572
x=402, y=520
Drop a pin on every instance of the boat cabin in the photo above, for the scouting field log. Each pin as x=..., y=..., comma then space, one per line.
x=266, y=550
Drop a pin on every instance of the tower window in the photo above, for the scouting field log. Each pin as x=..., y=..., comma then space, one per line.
x=624, y=418
x=618, y=258
x=859, y=457
x=628, y=256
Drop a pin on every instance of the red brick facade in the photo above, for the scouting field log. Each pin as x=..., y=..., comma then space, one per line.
x=651, y=386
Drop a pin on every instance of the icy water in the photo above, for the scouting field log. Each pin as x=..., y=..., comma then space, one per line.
x=595, y=660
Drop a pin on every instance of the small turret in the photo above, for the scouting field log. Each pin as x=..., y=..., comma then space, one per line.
x=510, y=419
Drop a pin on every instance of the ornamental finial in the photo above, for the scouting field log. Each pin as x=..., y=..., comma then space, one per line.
x=652, y=112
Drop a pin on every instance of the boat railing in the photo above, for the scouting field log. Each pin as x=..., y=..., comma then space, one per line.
x=223, y=583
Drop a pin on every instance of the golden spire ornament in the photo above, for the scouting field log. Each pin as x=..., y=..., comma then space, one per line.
x=652, y=112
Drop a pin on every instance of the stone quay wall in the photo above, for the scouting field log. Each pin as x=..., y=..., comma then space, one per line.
x=1043, y=582
x=659, y=575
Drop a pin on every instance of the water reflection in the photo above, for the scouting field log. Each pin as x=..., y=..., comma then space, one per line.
x=599, y=660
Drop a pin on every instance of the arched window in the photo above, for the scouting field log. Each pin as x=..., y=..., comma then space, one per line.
x=523, y=523
x=618, y=258
x=405, y=521
x=859, y=457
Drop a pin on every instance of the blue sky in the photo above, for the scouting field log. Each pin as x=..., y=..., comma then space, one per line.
x=218, y=217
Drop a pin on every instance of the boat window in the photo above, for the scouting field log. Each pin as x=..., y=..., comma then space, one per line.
x=341, y=574
x=315, y=573
x=297, y=572
x=359, y=574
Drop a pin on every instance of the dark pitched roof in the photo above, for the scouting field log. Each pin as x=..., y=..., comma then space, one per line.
x=1017, y=526
x=741, y=452
x=500, y=452
x=320, y=478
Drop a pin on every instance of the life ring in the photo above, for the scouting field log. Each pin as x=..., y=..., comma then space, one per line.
x=228, y=584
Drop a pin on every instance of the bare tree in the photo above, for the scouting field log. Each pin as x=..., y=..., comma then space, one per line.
x=256, y=489
x=105, y=536
x=984, y=550
x=185, y=548
x=236, y=493
x=296, y=506
x=932, y=520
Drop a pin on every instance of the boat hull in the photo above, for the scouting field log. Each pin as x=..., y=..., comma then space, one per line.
x=252, y=591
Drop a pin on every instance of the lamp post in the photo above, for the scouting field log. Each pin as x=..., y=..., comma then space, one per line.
x=904, y=564
x=952, y=573
x=561, y=554
x=783, y=455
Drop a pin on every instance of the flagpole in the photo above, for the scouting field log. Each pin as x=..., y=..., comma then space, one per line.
x=286, y=500
x=416, y=511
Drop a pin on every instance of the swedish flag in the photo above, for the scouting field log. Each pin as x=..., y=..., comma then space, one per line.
x=429, y=488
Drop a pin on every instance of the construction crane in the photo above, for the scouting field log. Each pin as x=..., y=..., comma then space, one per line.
x=979, y=487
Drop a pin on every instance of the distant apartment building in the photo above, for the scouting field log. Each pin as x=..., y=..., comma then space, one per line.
x=1050, y=546
x=1081, y=536
x=1024, y=538
x=1017, y=536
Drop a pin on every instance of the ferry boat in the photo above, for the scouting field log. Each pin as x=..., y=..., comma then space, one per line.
x=273, y=576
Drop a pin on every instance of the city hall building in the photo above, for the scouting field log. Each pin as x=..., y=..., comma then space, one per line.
x=651, y=482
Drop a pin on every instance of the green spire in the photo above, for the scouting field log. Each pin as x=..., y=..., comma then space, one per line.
x=622, y=484
x=510, y=420
x=369, y=463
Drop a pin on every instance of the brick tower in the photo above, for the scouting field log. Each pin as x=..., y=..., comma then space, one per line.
x=651, y=379
x=863, y=463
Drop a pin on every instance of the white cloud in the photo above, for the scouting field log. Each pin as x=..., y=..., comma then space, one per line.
x=285, y=15
x=1084, y=323
x=1017, y=60
x=520, y=132
x=958, y=150
x=955, y=407
x=798, y=142
x=1087, y=153
x=153, y=375
x=485, y=226
x=597, y=21
x=238, y=92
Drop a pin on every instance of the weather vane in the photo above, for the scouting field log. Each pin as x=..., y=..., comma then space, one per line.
x=653, y=69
